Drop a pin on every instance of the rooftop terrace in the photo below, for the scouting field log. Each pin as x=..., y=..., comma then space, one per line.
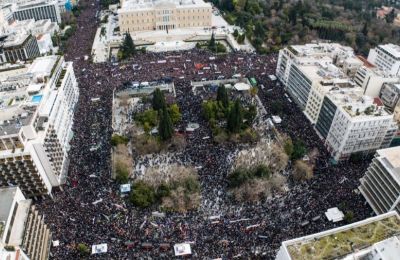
x=339, y=243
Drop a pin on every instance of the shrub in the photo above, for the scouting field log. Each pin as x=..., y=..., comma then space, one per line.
x=121, y=173
x=302, y=171
x=262, y=171
x=299, y=150
x=238, y=178
x=83, y=249
x=118, y=139
x=142, y=195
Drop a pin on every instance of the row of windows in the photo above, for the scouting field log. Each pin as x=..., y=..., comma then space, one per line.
x=139, y=28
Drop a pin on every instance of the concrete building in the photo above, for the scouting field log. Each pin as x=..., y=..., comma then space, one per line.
x=309, y=71
x=38, y=10
x=371, y=79
x=350, y=123
x=149, y=15
x=390, y=95
x=36, y=119
x=380, y=185
x=23, y=233
x=386, y=57
x=375, y=238
x=18, y=47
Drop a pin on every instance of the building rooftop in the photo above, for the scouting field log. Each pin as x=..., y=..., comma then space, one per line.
x=392, y=49
x=21, y=96
x=13, y=40
x=318, y=49
x=343, y=241
x=356, y=104
x=6, y=198
x=390, y=157
x=34, y=3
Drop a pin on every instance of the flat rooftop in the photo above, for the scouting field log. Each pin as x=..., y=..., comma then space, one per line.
x=340, y=242
x=392, y=49
x=320, y=48
x=390, y=158
x=355, y=103
x=21, y=97
x=14, y=40
x=7, y=195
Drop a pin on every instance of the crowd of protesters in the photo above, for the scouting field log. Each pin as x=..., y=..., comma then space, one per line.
x=90, y=210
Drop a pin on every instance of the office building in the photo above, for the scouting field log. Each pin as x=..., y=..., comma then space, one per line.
x=43, y=30
x=380, y=185
x=36, y=120
x=18, y=47
x=148, y=15
x=319, y=78
x=23, y=233
x=309, y=71
x=352, y=123
x=375, y=238
x=390, y=95
x=38, y=10
x=371, y=79
x=386, y=57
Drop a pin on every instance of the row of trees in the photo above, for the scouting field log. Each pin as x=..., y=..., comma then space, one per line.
x=238, y=118
x=160, y=115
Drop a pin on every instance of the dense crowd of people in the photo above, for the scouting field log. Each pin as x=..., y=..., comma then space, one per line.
x=90, y=210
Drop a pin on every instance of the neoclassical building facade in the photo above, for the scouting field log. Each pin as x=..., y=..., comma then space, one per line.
x=150, y=15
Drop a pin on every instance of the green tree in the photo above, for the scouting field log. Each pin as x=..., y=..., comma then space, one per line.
x=365, y=29
x=288, y=147
x=142, y=195
x=174, y=113
x=163, y=190
x=238, y=177
x=119, y=139
x=235, y=33
x=158, y=99
x=250, y=114
x=149, y=117
x=165, y=126
x=128, y=48
x=299, y=150
x=222, y=96
x=212, y=42
x=262, y=171
x=349, y=216
x=235, y=118
x=83, y=249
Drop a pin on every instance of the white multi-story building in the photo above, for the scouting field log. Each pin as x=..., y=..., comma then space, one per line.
x=386, y=57
x=375, y=238
x=18, y=47
x=38, y=10
x=23, y=233
x=390, y=95
x=36, y=118
x=380, y=185
x=42, y=30
x=372, y=79
x=149, y=15
x=350, y=123
x=309, y=71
